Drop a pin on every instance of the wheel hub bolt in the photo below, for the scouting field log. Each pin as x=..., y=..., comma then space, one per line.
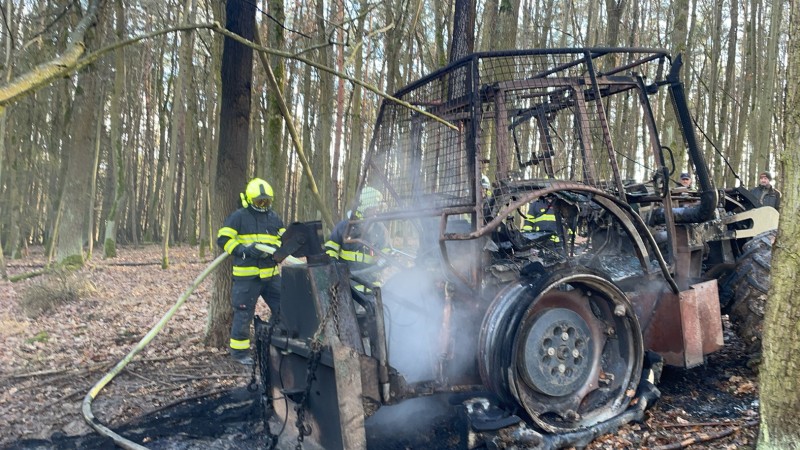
x=576, y=353
x=564, y=336
x=562, y=368
x=551, y=351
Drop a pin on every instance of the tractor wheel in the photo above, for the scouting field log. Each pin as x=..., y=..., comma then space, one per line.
x=568, y=350
x=749, y=285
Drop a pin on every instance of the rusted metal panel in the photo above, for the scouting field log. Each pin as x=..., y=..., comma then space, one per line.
x=709, y=313
x=691, y=328
x=685, y=327
x=663, y=335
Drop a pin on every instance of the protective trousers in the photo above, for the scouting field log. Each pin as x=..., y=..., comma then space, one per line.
x=244, y=296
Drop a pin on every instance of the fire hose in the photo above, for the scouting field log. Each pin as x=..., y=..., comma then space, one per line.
x=90, y=396
x=95, y=390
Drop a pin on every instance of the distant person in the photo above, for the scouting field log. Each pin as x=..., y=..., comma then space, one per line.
x=686, y=181
x=765, y=193
x=486, y=185
x=255, y=272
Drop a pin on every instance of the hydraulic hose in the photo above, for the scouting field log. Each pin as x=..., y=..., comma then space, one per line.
x=90, y=396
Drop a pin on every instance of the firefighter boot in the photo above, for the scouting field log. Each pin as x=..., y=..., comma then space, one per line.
x=242, y=357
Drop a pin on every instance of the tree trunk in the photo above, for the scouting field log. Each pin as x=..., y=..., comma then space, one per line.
x=118, y=165
x=75, y=201
x=177, y=139
x=336, y=183
x=463, y=42
x=765, y=98
x=276, y=154
x=780, y=374
x=614, y=9
x=90, y=235
x=324, y=129
x=3, y=124
x=237, y=75
x=355, y=151
x=727, y=114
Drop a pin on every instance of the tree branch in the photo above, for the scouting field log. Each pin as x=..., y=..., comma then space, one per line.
x=298, y=147
x=45, y=73
x=71, y=61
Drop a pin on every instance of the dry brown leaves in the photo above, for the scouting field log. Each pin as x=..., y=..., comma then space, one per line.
x=48, y=364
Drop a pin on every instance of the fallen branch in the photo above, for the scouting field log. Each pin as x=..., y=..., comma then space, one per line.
x=697, y=424
x=68, y=373
x=36, y=374
x=142, y=377
x=206, y=377
x=705, y=437
x=26, y=275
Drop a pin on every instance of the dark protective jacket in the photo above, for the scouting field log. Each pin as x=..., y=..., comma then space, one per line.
x=244, y=227
x=767, y=196
x=541, y=217
x=357, y=254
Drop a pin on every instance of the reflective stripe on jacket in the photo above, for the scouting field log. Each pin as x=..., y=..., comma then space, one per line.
x=541, y=217
x=244, y=227
x=358, y=255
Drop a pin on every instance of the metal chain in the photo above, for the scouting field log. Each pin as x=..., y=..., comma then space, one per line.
x=261, y=359
x=304, y=429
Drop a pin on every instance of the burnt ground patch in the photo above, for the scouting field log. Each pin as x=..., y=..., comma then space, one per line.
x=722, y=392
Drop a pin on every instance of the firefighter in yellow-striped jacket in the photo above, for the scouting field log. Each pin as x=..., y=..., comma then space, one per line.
x=358, y=248
x=542, y=217
x=255, y=272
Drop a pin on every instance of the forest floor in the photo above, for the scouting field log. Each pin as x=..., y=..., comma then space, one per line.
x=49, y=363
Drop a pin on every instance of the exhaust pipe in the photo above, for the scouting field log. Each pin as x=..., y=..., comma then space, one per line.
x=708, y=193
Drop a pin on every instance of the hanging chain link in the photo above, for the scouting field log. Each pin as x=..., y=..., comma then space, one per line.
x=261, y=359
x=304, y=429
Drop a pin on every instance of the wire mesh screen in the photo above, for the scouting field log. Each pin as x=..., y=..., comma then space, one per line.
x=426, y=162
x=572, y=115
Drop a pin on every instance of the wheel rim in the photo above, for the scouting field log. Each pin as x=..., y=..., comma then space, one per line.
x=555, y=354
x=569, y=355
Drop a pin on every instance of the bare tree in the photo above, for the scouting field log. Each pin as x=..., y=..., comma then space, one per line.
x=74, y=203
x=177, y=139
x=780, y=373
x=230, y=179
x=118, y=177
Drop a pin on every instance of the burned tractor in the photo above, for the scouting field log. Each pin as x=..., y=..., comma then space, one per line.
x=543, y=337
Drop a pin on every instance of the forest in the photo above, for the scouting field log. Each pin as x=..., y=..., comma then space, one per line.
x=113, y=118
x=121, y=144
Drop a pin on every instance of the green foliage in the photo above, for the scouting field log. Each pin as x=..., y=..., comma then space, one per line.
x=55, y=289
x=41, y=336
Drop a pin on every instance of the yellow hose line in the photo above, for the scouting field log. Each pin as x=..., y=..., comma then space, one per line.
x=90, y=396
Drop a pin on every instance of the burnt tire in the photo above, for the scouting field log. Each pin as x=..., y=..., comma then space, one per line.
x=748, y=286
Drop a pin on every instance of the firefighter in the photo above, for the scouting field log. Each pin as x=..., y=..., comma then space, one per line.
x=255, y=271
x=359, y=253
x=766, y=194
x=542, y=216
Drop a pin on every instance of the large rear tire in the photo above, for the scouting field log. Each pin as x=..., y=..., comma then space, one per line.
x=749, y=285
x=567, y=350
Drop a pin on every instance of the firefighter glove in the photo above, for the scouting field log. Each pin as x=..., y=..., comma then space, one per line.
x=251, y=252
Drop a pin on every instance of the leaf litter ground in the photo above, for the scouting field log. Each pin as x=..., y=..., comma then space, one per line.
x=179, y=394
